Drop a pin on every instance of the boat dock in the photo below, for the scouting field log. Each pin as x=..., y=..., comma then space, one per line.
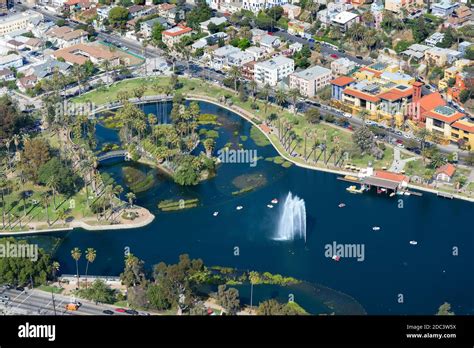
x=348, y=178
x=444, y=195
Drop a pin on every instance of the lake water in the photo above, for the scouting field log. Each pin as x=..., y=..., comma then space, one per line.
x=425, y=275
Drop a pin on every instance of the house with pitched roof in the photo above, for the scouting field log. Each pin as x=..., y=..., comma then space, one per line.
x=445, y=173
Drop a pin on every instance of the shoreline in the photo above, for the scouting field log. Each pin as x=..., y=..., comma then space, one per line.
x=307, y=166
x=84, y=225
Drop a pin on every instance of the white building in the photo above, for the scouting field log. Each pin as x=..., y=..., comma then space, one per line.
x=434, y=39
x=19, y=21
x=311, y=80
x=238, y=59
x=214, y=20
x=218, y=58
x=11, y=61
x=342, y=66
x=257, y=52
x=273, y=70
x=257, y=5
x=345, y=20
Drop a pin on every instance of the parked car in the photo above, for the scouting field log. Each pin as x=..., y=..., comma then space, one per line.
x=108, y=312
x=335, y=56
x=120, y=310
x=4, y=298
x=131, y=311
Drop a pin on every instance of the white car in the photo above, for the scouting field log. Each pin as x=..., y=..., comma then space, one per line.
x=400, y=145
x=348, y=115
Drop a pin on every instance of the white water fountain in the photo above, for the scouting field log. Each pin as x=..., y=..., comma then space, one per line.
x=292, y=222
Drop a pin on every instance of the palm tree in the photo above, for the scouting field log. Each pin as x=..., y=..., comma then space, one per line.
x=23, y=196
x=209, y=144
x=76, y=255
x=253, y=88
x=106, y=67
x=3, y=186
x=90, y=257
x=16, y=140
x=265, y=94
x=280, y=97
x=45, y=200
x=55, y=268
x=363, y=113
x=235, y=75
x=294, y=94
x=130, y=196
x=62, y=215
x=53, y=184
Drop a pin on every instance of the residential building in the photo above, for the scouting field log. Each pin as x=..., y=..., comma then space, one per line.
x=218, y=58
x=460, y=16
x=257, y=35
x=209, y=40
x=19, y=21
x=398, y=5
x=81, y=53
x=291, y=11
x=440, y=119
x=270, y=42
x=444, y=8
x=338, y=86
x=463, y=46
x=296, y=27
x=258, y=5
x=257, y=52
x=65, y=36
x=442, y=56
x=311, y=80
x=445, y=173
x=11, y=61
x=434, y=39
x=45, y=69
x=327, y=15
x=273, y=70
x=462, y=133
x=174, y=35
x=342, y=66
x=217, y=21
x=140, y=10
x=238, y=59
x=146, y=27
x=345, y=20
x=248, y=70
x=26, y=82
x=416, y=52
x=6, y=4
x=6, y=75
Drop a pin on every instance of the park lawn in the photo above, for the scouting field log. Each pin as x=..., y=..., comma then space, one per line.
x=48, y=288
x=415, y=167
x=35, y=212
x=199, y=87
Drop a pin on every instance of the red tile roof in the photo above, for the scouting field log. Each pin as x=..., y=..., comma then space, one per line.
x=174, y=32
x=430, y=101
x=447, y=169
x=265, y=128
x=342, y=81
x=361, y=95
x=448, y=119
x=383, y=174
x=469, y=128
x=395, y=94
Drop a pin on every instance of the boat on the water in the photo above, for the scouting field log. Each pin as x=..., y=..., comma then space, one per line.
x=413, y=242
x=392, y=194
x=215, y=213
x=239, y=207
x=269, y=206
x=354, y=189
x=336, y=257
x=376, y=228
x=274, y=201
x=341, y=205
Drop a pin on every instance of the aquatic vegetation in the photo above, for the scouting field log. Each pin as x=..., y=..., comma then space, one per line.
x=244, y=137
x=286, y=164
x=172, y=205
x=258, y=137
x=207, y=119
x=244, y=190
x=268, y=278
x=137, y=180
x=248, y=182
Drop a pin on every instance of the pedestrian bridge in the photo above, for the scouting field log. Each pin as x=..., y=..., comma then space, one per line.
x=113, y=154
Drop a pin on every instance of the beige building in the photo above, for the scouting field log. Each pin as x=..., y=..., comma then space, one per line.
x=397, y=5
x=19, y=21
x=342, y=66
x=174, y=35
x=311, y=80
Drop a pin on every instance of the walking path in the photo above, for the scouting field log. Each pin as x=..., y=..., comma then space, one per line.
x=398, y=163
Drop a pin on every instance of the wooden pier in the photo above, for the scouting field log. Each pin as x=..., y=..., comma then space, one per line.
x=444, y=195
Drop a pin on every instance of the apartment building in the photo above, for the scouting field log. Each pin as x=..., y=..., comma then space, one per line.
x=218, y=58
x=11, y=61
x=19, y=21
x=174, y=35
x=66, y=36
x=442, y=56
x=257, y=5
x=81, y=53
x=273, y=70
x=311, y=80
x=345, y=20
x=342, y=66
x=398, y=5
x=444, y=8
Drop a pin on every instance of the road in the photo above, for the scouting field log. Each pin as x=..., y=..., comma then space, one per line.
x=37, y=302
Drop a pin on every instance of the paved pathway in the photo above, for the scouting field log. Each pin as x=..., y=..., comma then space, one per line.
x=398, y=164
